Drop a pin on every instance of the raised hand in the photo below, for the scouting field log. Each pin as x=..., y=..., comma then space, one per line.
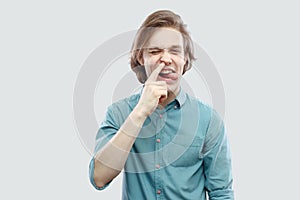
x=153, y=93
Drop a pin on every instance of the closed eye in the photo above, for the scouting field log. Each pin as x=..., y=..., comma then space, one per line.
x=175, y=51
x=154, y=51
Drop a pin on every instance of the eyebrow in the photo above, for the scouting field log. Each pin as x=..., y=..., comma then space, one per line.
x=172, y=47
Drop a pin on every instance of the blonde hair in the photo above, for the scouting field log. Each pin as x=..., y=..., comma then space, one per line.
x=159, y=19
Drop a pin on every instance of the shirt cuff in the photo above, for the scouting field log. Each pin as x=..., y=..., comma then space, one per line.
x=221, y=194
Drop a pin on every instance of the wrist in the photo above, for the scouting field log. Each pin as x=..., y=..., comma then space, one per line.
x=139, y=113
x=133, y=123
x=138, y=116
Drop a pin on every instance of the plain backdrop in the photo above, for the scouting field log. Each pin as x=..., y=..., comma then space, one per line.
x=43, y=44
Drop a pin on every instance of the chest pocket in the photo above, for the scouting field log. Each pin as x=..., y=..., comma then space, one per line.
x=182, y=153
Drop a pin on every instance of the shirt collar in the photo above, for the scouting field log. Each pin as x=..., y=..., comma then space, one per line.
x=181, y=97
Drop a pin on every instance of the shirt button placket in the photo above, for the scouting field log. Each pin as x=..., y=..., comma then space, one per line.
x=158, y=155
x=157, y=168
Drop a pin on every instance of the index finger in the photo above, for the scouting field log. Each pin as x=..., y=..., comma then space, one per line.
x=153, y=76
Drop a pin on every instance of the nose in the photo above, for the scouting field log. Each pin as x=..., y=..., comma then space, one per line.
x=166, y=58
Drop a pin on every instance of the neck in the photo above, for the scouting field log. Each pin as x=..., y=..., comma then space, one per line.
x=171, y=97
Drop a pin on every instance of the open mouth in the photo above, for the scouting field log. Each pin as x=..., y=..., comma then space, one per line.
x=165, y=73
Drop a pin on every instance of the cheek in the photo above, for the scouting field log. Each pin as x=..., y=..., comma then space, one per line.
x=150, y=63
x=151, y=59
x=181, y=63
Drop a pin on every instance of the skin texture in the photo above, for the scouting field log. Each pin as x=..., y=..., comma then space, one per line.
x=165, y=47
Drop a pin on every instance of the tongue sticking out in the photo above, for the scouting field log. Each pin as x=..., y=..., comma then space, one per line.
x=172, y=75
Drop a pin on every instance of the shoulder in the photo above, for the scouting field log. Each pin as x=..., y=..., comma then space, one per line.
x=130, y=102
x=202, y=106
x=206, y=111
x=123, y=107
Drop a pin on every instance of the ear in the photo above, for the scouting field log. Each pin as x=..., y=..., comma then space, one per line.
x=184, y=65
x=140, y=59
x=185, y=60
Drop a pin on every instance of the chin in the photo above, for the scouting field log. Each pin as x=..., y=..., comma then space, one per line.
x=173, y=88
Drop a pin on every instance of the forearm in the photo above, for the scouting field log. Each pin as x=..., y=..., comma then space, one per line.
x=110, y=160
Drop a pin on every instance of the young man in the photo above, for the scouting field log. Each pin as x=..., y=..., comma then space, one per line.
x=169, y=144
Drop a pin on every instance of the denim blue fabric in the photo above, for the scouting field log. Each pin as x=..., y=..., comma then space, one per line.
x=182, y=152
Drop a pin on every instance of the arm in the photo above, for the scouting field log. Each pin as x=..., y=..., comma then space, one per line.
x=110, y=160
x=217, y=161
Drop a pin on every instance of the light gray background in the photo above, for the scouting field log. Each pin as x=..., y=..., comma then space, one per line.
x=254, y=44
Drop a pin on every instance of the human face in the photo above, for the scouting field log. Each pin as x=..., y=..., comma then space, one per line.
x=165, y=46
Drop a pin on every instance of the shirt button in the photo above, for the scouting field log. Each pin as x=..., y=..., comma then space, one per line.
x=175, y=107
x=161, y=116
x=158, y=192
x=158, y=140
x=157, y=166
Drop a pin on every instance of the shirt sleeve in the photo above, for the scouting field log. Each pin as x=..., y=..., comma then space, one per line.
x=107, y=130
x=217, y=161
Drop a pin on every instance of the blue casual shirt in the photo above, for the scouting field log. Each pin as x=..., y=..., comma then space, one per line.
x=182, y=152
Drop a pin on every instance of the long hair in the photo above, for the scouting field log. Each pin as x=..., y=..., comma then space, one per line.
x=159, y=19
